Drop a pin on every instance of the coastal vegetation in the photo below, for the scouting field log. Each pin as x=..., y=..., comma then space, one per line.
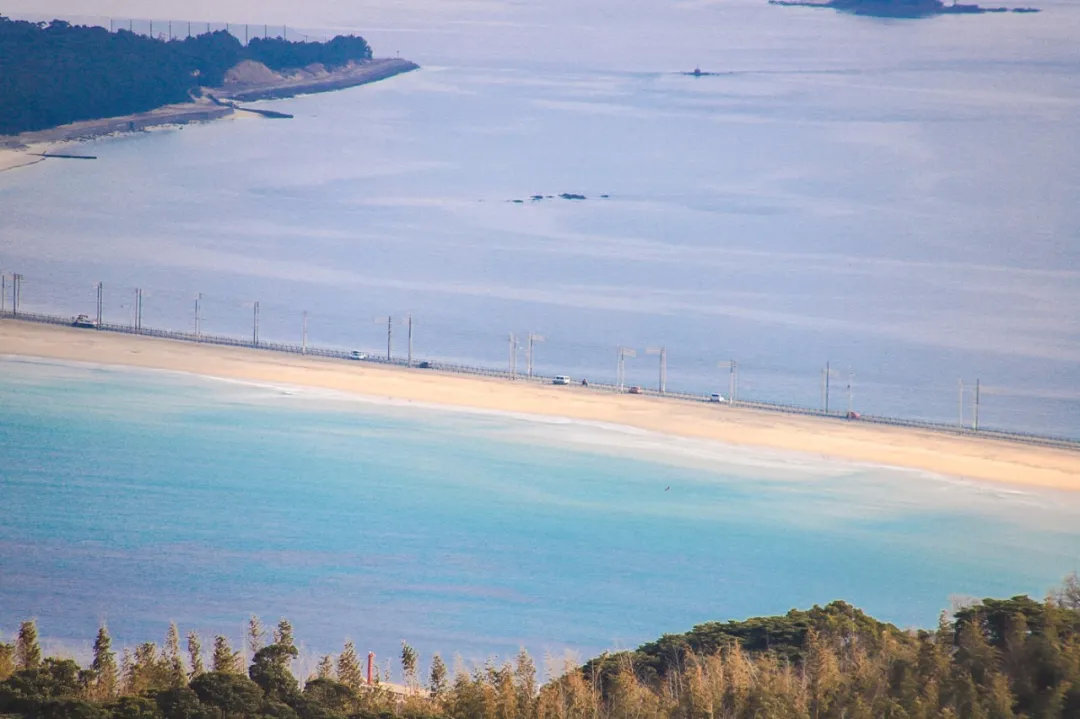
x=56, y=73
x=994, y=659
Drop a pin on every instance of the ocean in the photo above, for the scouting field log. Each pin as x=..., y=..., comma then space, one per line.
x=896, y=199
x=138, y=498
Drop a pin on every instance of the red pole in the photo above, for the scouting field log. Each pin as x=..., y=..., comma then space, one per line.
x=370, y=668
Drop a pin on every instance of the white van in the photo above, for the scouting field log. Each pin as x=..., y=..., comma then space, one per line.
x=560, y=379
x=716, y=397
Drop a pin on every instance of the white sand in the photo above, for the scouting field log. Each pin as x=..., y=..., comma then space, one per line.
x=939, y=452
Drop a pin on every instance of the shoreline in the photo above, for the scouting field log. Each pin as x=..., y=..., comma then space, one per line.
x=17, y=150
x=968, y=457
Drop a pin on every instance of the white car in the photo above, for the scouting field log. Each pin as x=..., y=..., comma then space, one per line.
x=357, y=355
x=560, y=379
x=716, y=397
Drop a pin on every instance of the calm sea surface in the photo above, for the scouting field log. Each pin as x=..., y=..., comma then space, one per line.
x=901, y=199
x=898, y=198
x=139, y=498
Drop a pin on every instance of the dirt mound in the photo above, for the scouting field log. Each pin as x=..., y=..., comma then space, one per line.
x=250, y=72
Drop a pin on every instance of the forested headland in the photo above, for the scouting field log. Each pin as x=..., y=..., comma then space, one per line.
x=994, y=659
x=56, y=73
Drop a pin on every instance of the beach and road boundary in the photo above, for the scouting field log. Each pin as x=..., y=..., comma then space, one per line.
x=1019, y=460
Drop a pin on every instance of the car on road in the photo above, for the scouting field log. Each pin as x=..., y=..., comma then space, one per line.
x=84, y=321
x=634, y=390
x=357, y=355
x=716, y=397
x=560, y=379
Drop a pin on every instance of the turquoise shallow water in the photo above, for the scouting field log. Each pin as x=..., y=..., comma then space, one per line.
x=140, y=498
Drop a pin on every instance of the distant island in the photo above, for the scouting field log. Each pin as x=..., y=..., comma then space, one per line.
x=900, y=8
x=57, y=73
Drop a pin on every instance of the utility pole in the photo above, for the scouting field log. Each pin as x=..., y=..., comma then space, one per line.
x=827, y=373
x=255, y=325
x=189, y=29
x=16, y=292
x=975, y=418
x=138, y=309
x=851, y=381
x=409, y=359
x=389, y=335
x=3, y=291
x=733, y=381
x=533, y=338
x=100, y=289
x=662, y=351
x=264, y=32
x=303, y=334
x=245, y=34
x=198, y=299
x=513, y=356
x=620, y=373
x=961, y=403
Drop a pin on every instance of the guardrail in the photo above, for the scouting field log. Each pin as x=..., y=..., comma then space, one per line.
x=315, y=351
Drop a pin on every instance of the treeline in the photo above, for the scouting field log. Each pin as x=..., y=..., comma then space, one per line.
x=56, y=73
x=996, y=659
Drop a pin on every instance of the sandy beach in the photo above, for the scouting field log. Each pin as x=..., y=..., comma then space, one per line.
x=961, y=456
x=12, y=158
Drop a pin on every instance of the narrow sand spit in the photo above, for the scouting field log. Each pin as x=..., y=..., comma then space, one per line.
x=961, y=456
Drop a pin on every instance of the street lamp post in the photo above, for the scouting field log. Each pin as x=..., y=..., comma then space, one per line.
x=662, y=352
x=733, y=378
x=620, y=374
x=533, y=338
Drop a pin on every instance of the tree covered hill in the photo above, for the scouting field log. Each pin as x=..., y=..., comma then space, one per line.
x=56, y=73
x=996, y=659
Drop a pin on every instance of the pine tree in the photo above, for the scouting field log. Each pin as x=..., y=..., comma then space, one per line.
x=144, y=670
x=255, y=635
x=1068, y=595
x=437, y=680
x=325, y=668
x=408, y=664
x=171, y=663
x=225, y=659
x=506, y=695
x=525, y=684
x=283, y=635
x=104, y=667
x=194, y=647
x=348, y=668
x=822, y=673
x=7, y=660
x=27, y=651
x=125, y=670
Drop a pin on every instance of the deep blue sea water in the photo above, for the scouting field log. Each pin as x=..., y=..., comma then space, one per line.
x=140, y=498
